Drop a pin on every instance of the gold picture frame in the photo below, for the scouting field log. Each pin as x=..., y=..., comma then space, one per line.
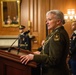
x=10, y=10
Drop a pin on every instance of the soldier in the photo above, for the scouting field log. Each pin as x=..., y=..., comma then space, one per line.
x=24, y=41
x=72, y=61
x=55, y=48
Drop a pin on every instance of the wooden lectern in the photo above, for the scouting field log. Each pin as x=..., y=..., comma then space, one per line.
x=10, y=63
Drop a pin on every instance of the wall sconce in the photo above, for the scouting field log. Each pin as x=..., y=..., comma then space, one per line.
x=29, y=25
x=70, y=16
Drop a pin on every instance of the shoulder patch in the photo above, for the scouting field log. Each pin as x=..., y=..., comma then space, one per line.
x=56, y=37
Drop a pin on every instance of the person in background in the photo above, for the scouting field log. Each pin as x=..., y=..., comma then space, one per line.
x=8, y=20
x=14, y=20
x=24, y=41
x=55, y=48
x=72, y=53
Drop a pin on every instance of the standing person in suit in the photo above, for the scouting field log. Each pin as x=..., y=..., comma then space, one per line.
x=55, y=48
x=72, y=54
x=24, y=40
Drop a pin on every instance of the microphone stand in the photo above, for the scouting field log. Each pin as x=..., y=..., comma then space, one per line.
x=9, y=49
x=18, y=50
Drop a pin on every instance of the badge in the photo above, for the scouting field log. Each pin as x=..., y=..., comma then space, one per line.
x=56, y=37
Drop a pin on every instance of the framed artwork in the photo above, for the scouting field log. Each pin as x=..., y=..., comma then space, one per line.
x=10, y=11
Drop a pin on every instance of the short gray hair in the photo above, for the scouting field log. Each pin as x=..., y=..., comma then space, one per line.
x=58, y=13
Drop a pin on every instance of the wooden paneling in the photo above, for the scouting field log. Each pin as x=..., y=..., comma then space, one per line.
x=34, y=11
x=68, y=28
x=25, y=13
x=7, y=30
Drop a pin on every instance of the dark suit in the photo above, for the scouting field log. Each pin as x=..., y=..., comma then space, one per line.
x=24, y=42
x=54, y=53
x=72, y=61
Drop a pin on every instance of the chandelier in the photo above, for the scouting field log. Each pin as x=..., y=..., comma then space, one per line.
x=70, y=16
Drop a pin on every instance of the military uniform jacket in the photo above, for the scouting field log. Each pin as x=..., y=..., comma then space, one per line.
x=53, y=56
x=24, y=42
x=73, y=45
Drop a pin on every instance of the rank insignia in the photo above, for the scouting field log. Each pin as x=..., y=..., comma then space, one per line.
x=56, y=37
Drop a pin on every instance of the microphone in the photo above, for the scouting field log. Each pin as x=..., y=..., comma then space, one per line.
x=9, y=49
x=26, y=32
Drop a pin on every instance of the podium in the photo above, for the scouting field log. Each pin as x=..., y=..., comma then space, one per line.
x=10, y=63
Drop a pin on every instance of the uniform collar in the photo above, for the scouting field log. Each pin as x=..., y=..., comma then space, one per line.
x=58, y=27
